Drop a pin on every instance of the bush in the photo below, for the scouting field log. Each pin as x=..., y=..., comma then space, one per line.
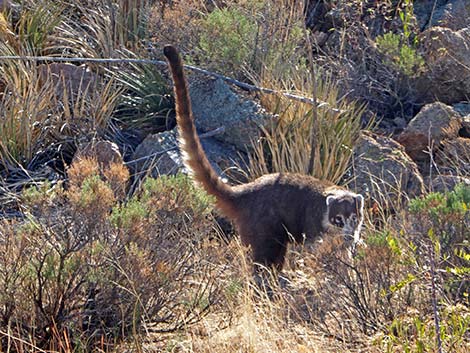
x=228, y=38
x=399, y=54
x=83, y=268
x=252, y=37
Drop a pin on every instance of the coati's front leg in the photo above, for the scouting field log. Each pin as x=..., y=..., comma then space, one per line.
x=270, y=253
x=268, y=260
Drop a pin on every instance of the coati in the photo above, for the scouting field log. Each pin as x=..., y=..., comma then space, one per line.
x=273, y=209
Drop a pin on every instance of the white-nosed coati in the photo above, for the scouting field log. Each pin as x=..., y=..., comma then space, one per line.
x=274, y=208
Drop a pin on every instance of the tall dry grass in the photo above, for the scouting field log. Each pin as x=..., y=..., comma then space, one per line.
x=307, y=139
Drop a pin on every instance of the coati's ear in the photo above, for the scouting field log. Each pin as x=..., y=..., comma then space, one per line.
x=360, y=199
x=329, y=200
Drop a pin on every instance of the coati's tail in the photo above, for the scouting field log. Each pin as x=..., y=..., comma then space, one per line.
x=194, y=157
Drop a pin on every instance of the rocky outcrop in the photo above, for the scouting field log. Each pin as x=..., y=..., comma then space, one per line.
x=382, y=169
x=447, y=56
x=105, y=153
x=454, y=156
x=432, y=125
x=159, y=154
x=454, y=14
x=216, y=106
x=443, y=183
x=67, y=78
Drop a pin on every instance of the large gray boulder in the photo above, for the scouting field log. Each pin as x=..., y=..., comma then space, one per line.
x=454, y=157
x=454, y=14
x=435, y=123
x=215, y=105
x=383, y=171
x=159, y=154
x=443, y=183
x=447, y=56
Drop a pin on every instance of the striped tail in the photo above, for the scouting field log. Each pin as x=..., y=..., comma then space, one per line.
x=194, y=157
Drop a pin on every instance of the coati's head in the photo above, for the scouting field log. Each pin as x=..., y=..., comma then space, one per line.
x=345, y=209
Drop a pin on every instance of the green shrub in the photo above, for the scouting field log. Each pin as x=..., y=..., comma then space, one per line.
x=228, y=38
x=253, y=37
x=400, y=55
x=447, y=216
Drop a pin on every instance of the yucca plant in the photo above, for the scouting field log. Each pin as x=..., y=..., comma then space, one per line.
x=307, y=139
x=146, y=100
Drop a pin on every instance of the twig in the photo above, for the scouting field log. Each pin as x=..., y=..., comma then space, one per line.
x=243, y=85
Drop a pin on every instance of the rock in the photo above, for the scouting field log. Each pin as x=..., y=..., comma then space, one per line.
x=105, y=152
x=452, y=14
x=67, y=78
x=215, y=105
x=159, y=155
x=447, y=56
x=443, y=183
x=454, y=157
x=434, y=123
x=382, y=169
x=463, y=108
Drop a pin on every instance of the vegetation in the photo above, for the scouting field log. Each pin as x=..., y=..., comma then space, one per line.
x=93, y=258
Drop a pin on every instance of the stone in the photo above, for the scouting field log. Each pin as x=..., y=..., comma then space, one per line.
x=159, y=154
x=447, y=56
x=68, y=78
x=105, y=153
x=444, y=183
x=454, y=157
x=383, y=171
x=434, y=123
x=453, y=14
x=215, y=105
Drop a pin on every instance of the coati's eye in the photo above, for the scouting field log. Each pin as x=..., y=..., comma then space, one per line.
x=354, y=218
x=339, y=221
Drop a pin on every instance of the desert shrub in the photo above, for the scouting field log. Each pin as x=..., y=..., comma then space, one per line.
x=229, y=38
x=400, y=55
x=248, y=38
x=444, y=222
x=85, y=269
x=434, y=243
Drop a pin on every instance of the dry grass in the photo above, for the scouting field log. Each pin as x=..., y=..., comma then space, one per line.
x=304, y=129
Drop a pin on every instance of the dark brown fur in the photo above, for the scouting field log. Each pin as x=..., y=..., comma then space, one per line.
x=268, y=212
